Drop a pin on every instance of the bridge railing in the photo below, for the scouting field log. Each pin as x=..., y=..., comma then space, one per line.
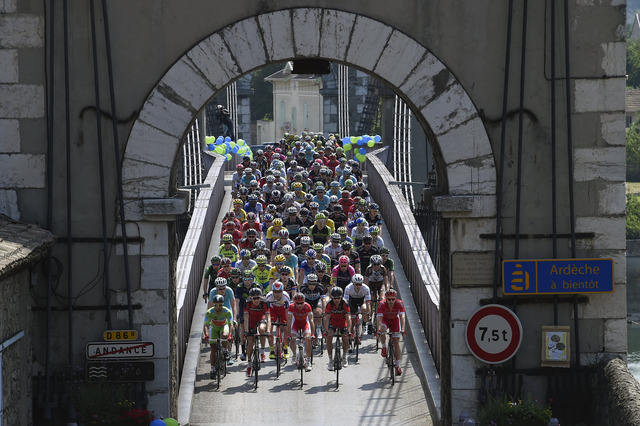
x=411, y=248
x=193, y=254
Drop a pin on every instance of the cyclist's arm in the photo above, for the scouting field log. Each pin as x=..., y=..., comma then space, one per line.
x=385, y=281
x=267, y=316
x=402, y=322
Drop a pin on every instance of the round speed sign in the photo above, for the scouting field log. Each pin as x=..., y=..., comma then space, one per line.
x=493, y=334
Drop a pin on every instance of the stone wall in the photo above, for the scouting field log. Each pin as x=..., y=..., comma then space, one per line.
x=617, y=394
x=16, y=360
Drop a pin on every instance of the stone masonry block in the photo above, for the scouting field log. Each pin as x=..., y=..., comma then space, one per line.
x=477, y=177
x=463, y=370
x=167, y=112
x=21, y=101
x=428, y=76
x=17, y=30
x=465, y=234
x=161, y=374
x=599, y=95
x=246, y=44
x=336, y=30
x=12, y=167
x=186, y=81
x=213, y=59
x=158, y=401
x=307, y=41
x=609, y=232
x=142, y=180
x=277, y=34
x=156, y=238
x=467, y=300
x=606, y=305
x=132, y=231
x=400, y=50
x=611, y=198
x=159, y=335
x=450, y=109
x=9, y=204
x=152, y=145
x=613, y=129
x=9, y=66
x=614, y=60
x=458, y=340
x=8, y=6
x=463, y=400
x=155, y=308
x=600, y=163
x=368, y=41
x=162, y=207
x=615, y=335
x=9, y=136
x=464, y=142
x=155, y=270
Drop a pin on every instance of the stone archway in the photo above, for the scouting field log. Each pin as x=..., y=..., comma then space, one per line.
x=356, y=40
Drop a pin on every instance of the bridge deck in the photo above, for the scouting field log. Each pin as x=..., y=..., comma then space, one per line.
x=364, y=396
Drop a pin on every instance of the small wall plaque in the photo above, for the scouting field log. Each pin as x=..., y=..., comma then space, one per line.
x=472, y=269
x=555, y=346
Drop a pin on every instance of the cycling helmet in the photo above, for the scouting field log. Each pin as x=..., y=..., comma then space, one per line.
x=312, y=278
x=321, y=267
x=277, y=222
x=337, y=207
x=320, y=216
x=221, y=282
x=367, y=239
x=226, y=261
x=390, y=293
x=283, y=233
x=297, y=185
x=344, y=260
x=360, y=221
x=239, y=167
x=336, y=292
x=252, y=197
x=305, y=241
x=259, y=152
x=248, y=170
x=247, y=274
x=319, y=248
x=348, y=183
x=255, y=292
x=287, y=249
x=292, y=210
x=334, y=184
x=245, y=253
x=374, y=230
x=373, y=206
x=384, y=250
x=333, y=199
x=357, y=279
x=218, y=299
x=216, y=259
x=237, y=201
x=277, y=286
x=376, y=259
x=320, y=188
x=261, y=259
x=346, y=194
x=298, y=298
x=314, y=205
x=235, y=272
x=279, y=258
x=252, y=232
x=341, y=231
x=227, y=238
x=229, y=215
x=362, y=202
x=268, y=217
x=335, y=237
x=308, y=197
x=284, y=270
x=274, y=194
x=243, y=190
x=357, y=215
x=271, y=178
x=297, y=176
x=360, y=184
x=287, y=198
x=251, y=217
x=311, y=253
x=230, y=224
x=346, y=245
x=260, y=245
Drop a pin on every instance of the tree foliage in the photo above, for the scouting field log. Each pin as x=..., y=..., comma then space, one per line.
x=633, y=153
x=633, y=63
x=633, y=217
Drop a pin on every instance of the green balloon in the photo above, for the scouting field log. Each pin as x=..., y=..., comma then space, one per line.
x=171, y=422
x=228, y=157
x=220, y=150
x=371, y=144
x=347, y=147
x=361, y=158
x=241, y=142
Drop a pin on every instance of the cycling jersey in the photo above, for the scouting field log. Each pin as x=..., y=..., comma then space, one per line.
x=319, y=235
x=278, y=308
x=230, y=251
x=256, y=313
x=353, y=292
x=218, y=319
x=261, y=277
x=375, y=275
x=241, y=266
x=365, y=256
x=312, y=297
x=293, y=225
x=390, y=316
x=340, y=277
x=278, y=244
x=242, y=294
x=274, y=273
x=241, y=215
x=388, y=264
x=333, y=252
x=229, y=295
x=338, y=313
x=300, y=317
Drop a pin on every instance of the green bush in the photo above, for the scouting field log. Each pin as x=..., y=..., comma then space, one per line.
x=503, y=412
x=633, y=217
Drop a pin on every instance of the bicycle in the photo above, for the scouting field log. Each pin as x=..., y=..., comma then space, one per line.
x=236, y=338
x=357, y=333
x=391, y=357
x=221, y=361
x=374, y=324
x=337, y=356
x=300, y=362
x=255, y=357
x=319, y=333
x=277, y=346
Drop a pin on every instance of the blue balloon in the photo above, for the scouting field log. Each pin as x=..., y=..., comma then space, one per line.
x=219, y=140
x=210, y=147
x=158, y=422
x=362, y=151
x=346, y=139
x=360, y=141
x=227, y=139
x=235, y=149
x=377, y=138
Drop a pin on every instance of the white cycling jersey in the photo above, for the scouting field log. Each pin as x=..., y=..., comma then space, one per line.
x=353, y=292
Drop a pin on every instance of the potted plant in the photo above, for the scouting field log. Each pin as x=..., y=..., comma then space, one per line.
x=504, y=411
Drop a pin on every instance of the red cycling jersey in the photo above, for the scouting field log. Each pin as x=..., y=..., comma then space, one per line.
x=300, y=314
x=256, y=313
x=390, y=313
x=338, y=313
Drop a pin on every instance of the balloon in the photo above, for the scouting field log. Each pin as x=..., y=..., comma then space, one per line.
x=158, y=422
x=227, y=139
x=360, y=141
x=228, y=157
x=219, y=150
x=347, y=147
x=241, y=142
x=171, y=422
x=354, y=139
x=362, y=151
x=371, y=144
x=377, y=138
x=361, y=158
x=235, y=149
x=346, y=140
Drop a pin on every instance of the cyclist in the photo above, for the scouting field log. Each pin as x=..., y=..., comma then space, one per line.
x=225, y=291
x=320, y=254
x=242, y=296
x=278, y=301
x=257, y=320
x=251, y=223
x=320, y=231
x=300, y=318
x=314, y=296
x=225, y=271
x=333, y=249
x=357, y=295
x=391, y=316
x=228, y=249
x=366, y=251
x=374, y=231
x=272, y=232
x=260, y=249
x=290, y=259
x=246, y=263
x=292, y=222
x=307, y=266
x=376, y=277
x=210, y=274
x=337, y=317
x=232, y=228
x=238, y=211
x=354, y=258
x=217, y=323
x=337, y=215
x=276, y=247
x=274, y=273
x=323, y=278
x=387, y=262
x=235, y=280
x=261, y=271
x=342, y=273
x=359, y=231
x=373, y=216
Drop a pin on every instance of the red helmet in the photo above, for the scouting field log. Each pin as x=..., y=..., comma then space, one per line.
x=298, y=298
x=344, y=260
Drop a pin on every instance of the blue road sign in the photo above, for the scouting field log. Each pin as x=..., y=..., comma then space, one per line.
x=557, y=276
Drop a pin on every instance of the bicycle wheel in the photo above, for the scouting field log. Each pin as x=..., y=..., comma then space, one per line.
x=337, y=361
x=301, y=366
x=236, y=339
x=390, y=361
x=357, y=337
x=276, y=347
x=219, y=362
x=256, y=364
